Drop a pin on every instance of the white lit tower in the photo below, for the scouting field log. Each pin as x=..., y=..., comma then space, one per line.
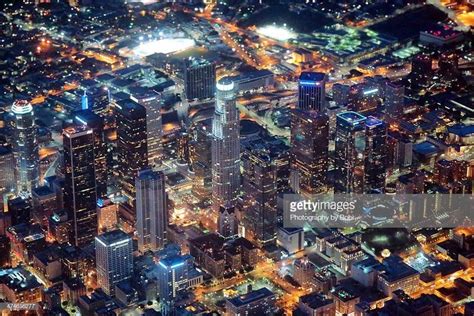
x=25, y=145
x=225, y=146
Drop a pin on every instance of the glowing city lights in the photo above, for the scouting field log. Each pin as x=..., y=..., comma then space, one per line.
x=163, y=46
x=279, y=33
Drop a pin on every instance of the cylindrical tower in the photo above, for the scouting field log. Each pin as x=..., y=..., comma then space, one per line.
x=25, y=146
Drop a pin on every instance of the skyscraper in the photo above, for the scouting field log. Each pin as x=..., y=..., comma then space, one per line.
x=152, y=213
x=309, y=151
x=350, y=153
x=312, y=91
x=25, y=146
x=225, y=146
x=7, y=164
x=175, y=274
x=80, y=197
x=152, y=102
x=131, y=152
x=201, y=159
x=96, y=123
x=376, y=154
x=114, y=260
x=199, y=78
x=260, y=189
x=394, y=99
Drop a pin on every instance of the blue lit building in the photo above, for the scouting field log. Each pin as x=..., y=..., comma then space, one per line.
x=312, y=91
x=175, y=274
x=350, y=153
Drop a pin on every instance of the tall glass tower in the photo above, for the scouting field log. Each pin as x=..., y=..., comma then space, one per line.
x=25, y=146
x=312, y=91
x=152, y=214
x=225, y=146
x=80, y=195
x=350, y=153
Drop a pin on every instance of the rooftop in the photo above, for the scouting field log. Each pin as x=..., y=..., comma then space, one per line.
x=315, y=300
x=112, y=237
x=18, y=279
x=311, y=77
x=250, y=297
x=351, y=117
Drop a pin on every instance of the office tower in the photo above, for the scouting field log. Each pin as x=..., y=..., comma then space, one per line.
x=312, y=91
x=152, y=212
x=303, y=272
x=7, y=164
x=25, y=146
x=100, y=98
x=365, y=97
x=225, y=146
x=199, y=78
x=19, y=209
x=80, y=196
x=114, y=260
x=182, y=147
x=350, y=155
x=309, y=151
x=107, y=211
x=59, y=227
x=376, y=154
x=227, y=221
x=340, y=94
x=173, y=278
x=448, y=64
x=421, y=70
x=260, y=191
x=131, y=150
x=152, y=102
x=96, y=123
x=394, y=99
x=200, y=156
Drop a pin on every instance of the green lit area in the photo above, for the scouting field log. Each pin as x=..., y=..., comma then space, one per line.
x=406, y=52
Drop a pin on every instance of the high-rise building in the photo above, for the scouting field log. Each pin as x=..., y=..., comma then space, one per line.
x=172, y=278
x=114, y=260
x=376, y=154
x=421, y=70
x=227, y=221
x=131, y=152
x=7, y=164
x=312, y=91
x=20, y=210
x=199, y=78
x=96, y=123
x=225, y=146
x=365, y=97
x=152, y=102
x=152, y=213
x=260, y=189
x=394, y=99
x=349, y=153
x=25, y=146
x=200, y=155
x=80, y=197
x=309, y=151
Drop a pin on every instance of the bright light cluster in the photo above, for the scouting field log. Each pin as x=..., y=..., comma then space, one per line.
x=163, y=46
x=278, y=33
